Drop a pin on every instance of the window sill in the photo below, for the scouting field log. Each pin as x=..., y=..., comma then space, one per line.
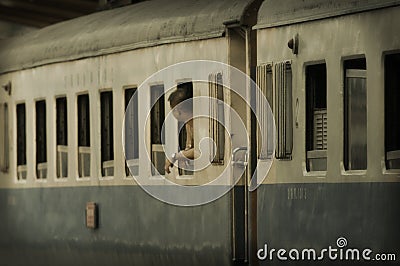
x=385, y=171
x=318, y=174
x=184, y=177
x=345, y=172
x=61, y=179
x=83, y=178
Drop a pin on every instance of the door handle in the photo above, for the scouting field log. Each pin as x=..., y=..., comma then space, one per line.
x=240, y=163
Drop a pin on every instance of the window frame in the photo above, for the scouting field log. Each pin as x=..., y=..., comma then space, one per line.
x=355, y=68
x=316, y=107
x=84, y=144
x=182, y=135
x=158, y=147
x=41, y=162
x=21, y=139
x=107, y=151
x=391, y=129
x=132, y=162
x=61, y=136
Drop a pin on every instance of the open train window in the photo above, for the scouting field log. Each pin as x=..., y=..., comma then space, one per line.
x=355, y=114
x=264, y=133
x=184, y=142
x=4, y=148
x=131, y=132
x=157, y=120
x=217, y=115
x=21, y=142
x=41, y=147
x=316, y=118
x=283, y=110
x=392, y=110
x=107, y=133
x=83, y=136
x=62, y=137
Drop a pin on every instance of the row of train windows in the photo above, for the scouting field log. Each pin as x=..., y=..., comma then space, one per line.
x=316, y=130
x=355, y=121
x=83, y=122
x=106, y=133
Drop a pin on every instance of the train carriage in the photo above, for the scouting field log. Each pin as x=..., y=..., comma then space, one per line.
x=330, y=71
x=67, y=196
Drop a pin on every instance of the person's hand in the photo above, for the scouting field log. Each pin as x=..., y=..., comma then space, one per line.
x=168, y=164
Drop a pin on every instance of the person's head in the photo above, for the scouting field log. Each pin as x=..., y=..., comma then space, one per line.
x=181, y=103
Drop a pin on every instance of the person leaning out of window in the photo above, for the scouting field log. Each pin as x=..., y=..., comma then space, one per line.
x=181, y=105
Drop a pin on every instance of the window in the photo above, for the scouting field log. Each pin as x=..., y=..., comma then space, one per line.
x=265, y=132
x=217, y=115
x=355, y=115
x=21, y=142
x=4, y=147
x=83, y=136
x=131, y=132
x=183, y=141
x=157, y=134
x=107, y=134
x=316, y=118
x=62, y=137
x=283, y=110
x=41, y=146
x=392, y=110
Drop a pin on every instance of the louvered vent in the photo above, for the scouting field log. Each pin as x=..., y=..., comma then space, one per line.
x=320, y=130
x=265, y=134
x=217, y=131
x=283, y=110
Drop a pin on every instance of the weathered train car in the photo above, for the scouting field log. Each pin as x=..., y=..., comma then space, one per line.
x=330, y=69
x=66, y=87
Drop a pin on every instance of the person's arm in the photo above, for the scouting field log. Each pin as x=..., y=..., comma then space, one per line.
x=187, y=154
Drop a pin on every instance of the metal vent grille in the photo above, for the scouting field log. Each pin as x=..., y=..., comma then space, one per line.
x=264, y=134
x=217, y=130
x=320, y=129
x=283, y=110
x=4, y=147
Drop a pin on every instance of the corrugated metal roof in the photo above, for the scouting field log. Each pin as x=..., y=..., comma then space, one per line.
x=284, y=12
x=141, y=25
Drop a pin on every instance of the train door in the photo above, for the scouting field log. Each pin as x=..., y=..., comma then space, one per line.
x=253, y=148
x=228, y=129
x=240, y=139
x=239, y=163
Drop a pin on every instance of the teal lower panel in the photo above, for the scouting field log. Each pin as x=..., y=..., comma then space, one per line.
x=47, y=227
x=315, y=215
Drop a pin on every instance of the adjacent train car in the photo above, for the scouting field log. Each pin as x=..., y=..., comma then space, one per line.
x=66, y=196
x=330, y=69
